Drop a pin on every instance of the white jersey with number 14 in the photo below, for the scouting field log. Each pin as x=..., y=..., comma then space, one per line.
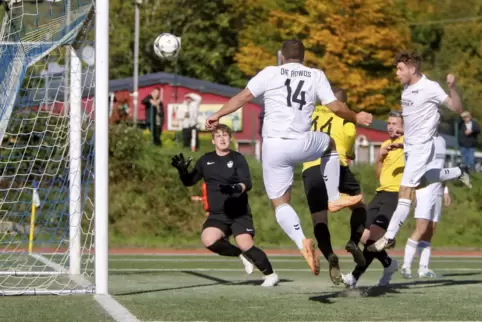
x=290, y=93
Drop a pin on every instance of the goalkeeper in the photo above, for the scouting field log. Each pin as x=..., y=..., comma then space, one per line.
x=228, y=181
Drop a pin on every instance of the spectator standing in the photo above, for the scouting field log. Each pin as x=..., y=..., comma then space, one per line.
x=468, y=132
x=187, y=116
x=154, y=115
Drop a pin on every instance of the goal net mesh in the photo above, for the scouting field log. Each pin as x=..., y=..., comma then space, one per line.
x=47, y=149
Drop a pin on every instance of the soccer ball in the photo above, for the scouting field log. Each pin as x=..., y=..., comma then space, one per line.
x=167, y=46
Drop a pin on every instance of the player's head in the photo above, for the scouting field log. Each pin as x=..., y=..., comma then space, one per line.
x=394, y=124
x=408, y=65
x=221, y=137
x=292, y=51
x=340, y=94
x=155, y=92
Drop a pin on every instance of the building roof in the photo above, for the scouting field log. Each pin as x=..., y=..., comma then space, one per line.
x=176, y=80
x=55, y=91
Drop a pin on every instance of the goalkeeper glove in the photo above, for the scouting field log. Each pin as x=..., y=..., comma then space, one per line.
x=180, y=164
x=229, y=189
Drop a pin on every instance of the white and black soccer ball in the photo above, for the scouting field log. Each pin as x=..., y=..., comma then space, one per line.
x=167, y=46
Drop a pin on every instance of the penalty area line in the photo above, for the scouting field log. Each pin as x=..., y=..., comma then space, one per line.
x=116, y=310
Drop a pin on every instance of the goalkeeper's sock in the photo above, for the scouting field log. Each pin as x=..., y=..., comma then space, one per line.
x=224, y=248
x=259, y=259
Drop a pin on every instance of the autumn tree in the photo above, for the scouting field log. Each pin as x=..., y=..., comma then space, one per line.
x=353, y=41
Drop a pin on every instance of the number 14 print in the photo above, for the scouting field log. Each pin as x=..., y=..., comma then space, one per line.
x=298, y=96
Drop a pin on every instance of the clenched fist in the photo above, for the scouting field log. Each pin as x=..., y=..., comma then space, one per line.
x=450, y=81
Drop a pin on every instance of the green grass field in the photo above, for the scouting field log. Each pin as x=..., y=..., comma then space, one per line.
x=212, y=288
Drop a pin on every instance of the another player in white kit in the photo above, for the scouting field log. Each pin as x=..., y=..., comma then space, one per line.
x=427, y=214
x=421, y=99
x=290, y=92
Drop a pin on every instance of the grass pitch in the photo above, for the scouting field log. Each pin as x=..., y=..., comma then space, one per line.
x=212, y=288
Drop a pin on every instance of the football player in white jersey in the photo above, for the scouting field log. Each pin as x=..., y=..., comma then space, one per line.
x=421, y=99
x=427, y=214
x=290, y=92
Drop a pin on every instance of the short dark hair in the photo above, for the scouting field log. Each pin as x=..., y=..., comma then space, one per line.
x=396, y=114
x=223, y=128
x=409, y=58
x=340, y=93
x=293, y=49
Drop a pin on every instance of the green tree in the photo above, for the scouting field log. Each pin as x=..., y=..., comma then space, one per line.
x=449, y=42
x=208, y=31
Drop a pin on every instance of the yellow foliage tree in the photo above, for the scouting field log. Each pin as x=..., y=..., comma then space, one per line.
x=352, y=41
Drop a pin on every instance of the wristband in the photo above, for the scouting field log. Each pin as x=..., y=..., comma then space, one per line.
x=446, y=190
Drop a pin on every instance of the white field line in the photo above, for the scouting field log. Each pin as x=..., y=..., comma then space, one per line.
x=274, y=260
x=150, y=255
x=269, y=255
x=154, y=270
x=118, y=312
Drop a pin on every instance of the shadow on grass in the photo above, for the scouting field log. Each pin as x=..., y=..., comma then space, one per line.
x=395, y=288
x=216, y=280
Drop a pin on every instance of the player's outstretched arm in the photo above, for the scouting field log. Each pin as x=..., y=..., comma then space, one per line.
x=453, y=101
x=345, y=113
x=231, y=106
x=188, y=178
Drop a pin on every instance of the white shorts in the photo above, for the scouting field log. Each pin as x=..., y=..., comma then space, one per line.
x=417, y=158
x=280, y=156
x=429, y=202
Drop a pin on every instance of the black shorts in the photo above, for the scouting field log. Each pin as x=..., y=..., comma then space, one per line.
x=380, y=210
x=231, y=226
x=315, y=189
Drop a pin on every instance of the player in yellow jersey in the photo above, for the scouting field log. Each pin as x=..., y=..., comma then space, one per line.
x=343, y=134
x=389, y=169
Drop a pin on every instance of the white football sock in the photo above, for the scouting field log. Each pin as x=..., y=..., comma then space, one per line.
x=426, y=252
x=330, y=170
x=441, y=175
x=398, y=218
x=290, y=222
x=410, y=251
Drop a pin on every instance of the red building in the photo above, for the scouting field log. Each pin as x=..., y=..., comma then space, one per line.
x=173, y=88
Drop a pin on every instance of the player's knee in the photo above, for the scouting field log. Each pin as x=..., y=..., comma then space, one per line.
x=422, y=226
x=244, y=242
x=406, y=193
x=209, y=237
x=284, y=199
x=379, y=227
x=365, y=236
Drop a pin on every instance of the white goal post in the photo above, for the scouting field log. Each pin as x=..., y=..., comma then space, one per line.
x=54, y=120
x=102, y=146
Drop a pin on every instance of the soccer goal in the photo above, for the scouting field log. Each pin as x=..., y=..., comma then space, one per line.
x=53, y=141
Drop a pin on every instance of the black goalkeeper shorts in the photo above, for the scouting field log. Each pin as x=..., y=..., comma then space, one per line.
x=231, y=226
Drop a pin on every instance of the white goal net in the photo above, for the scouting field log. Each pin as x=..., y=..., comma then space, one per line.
x=47, y=147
